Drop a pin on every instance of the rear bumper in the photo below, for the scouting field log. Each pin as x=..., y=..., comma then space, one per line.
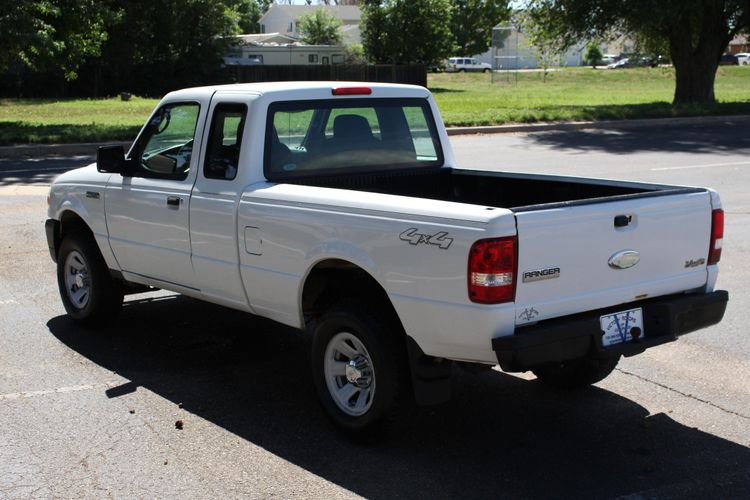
x=563, y=339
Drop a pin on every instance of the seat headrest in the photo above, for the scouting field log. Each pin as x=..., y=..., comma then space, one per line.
x=351, y=127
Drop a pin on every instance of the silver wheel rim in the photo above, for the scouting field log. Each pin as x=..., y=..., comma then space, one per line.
x=350, y=376
x=77, y=281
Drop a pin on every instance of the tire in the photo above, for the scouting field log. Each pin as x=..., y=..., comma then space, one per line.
x=576, y=373
x=485, y=70
x=360, y=370
x=462, y=70
x=88, y=292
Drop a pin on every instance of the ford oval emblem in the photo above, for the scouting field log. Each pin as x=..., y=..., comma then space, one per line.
x=624, y=259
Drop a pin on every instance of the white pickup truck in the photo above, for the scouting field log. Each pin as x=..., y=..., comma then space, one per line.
x=338, y=208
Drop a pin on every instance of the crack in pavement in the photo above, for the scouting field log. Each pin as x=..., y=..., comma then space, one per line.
x=690, y=396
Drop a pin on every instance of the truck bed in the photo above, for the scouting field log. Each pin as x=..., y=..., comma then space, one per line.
x=518, y=192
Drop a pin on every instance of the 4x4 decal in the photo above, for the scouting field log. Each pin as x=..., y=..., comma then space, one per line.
x=415, y=238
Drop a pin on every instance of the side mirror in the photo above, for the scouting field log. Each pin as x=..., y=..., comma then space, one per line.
x=110, y=159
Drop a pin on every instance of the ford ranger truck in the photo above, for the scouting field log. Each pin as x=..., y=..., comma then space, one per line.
x=338, y=208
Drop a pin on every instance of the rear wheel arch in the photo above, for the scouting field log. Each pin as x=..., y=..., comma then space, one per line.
x=334, y=279
x=333, y=282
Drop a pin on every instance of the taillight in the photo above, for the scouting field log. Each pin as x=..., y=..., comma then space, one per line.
x=492, y=271
x=717, y=236
x=351, y=91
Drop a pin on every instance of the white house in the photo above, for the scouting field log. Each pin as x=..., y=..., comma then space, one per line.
x=279, y=49
x=283, y=19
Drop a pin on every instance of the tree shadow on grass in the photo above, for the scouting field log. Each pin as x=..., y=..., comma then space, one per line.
x=500, y=436
x=656, y=109
x=440, y=90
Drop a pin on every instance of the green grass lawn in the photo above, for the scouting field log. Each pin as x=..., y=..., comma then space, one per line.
x=463, y=99
x=81, y=120
x=578, y=94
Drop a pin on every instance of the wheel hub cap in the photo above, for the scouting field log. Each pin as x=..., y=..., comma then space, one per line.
x=358, y=371
x=77, y=283
x=349, y=374
x=80, y=280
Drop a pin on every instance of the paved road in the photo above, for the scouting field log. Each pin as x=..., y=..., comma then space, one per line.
x=92, y=414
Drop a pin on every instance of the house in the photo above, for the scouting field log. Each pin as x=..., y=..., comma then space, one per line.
x=280, y=49
x=283, y=19
x=512, y=50
x=739, y=44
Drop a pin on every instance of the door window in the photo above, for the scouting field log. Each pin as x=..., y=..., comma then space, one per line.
x=166, y=146
x=224, y=141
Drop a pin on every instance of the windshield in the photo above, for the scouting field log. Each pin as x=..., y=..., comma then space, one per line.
x=306, y=138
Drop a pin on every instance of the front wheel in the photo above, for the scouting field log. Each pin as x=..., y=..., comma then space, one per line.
x=576, y=373
x=89, y=294
x=359, y=369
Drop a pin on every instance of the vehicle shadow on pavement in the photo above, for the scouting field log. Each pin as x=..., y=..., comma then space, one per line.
x=500, y=436
x=703, y=138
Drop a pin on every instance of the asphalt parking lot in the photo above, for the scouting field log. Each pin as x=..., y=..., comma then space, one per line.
x=91, y=414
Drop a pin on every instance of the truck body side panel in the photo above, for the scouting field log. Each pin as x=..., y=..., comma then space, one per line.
x=292, y=228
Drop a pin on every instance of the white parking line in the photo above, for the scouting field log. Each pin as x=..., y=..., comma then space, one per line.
x=685, y=167
x=59, y=390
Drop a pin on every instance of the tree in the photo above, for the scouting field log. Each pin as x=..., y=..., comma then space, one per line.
x=248, y=12
x=320, y=27
x=696, y=31
x=56, y=34
x=407, y=31
x=544, y=47
x=154, y=43
x=472, y=22
x=593, y=54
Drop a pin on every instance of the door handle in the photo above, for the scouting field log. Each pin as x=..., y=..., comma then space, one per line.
x=174, y=201
x=623, y=220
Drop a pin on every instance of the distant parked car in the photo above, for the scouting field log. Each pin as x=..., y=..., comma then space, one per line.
x=625, y=62
x=743, y=58
x=608, y=59
x=460, y=64
x=630, y=62
x=728, y=60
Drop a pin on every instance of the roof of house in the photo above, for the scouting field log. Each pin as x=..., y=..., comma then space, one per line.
x=265, y=39
x=343, y=12
x=739, y=40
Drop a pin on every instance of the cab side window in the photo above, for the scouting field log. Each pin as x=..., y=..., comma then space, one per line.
x=224, y=141
x=166, y=147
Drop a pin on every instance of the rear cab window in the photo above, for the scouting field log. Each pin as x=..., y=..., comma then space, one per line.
x=225, y=141
x=323, y=137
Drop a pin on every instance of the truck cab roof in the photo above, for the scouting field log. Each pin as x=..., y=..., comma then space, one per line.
x=306, y=90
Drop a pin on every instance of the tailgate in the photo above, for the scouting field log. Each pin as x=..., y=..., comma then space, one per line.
x=588, y=256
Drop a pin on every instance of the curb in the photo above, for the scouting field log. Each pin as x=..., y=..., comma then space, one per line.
x=605, y=124
x=89, y=148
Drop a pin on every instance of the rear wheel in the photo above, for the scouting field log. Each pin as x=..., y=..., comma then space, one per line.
x=576, y=373
x=90, y=295
x=359, y=369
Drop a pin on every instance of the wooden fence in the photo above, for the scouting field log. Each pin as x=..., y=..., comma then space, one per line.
x=413, y=74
